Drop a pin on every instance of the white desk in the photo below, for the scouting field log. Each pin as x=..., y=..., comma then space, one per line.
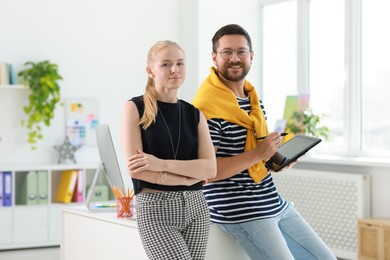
x=95, y=236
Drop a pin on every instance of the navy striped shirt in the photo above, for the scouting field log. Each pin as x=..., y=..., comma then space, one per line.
x=238, y=199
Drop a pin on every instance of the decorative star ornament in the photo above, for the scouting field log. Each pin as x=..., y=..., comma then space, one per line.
x=66, y=151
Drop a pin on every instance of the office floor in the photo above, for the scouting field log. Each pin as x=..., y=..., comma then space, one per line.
x=47, y=253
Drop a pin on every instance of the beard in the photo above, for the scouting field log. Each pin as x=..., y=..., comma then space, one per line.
x=235, y=77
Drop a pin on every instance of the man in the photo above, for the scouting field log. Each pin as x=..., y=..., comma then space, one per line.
x=242, y=198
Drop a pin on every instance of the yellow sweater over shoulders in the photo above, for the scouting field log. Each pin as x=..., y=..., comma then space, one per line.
x=216, y=100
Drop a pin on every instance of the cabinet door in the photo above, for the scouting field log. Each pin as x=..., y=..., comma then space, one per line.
x=386, y=241
x=5, y=226
x=55, y=223
x=30, y=224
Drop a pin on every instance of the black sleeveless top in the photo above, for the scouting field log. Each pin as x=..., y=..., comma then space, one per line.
x=157, y=141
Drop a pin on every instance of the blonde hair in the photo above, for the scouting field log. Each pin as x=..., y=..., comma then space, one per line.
x=150, y=95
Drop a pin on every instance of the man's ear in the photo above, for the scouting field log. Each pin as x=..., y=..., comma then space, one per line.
x=214, y=58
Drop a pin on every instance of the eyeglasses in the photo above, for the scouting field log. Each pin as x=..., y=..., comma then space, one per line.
x=227, y=54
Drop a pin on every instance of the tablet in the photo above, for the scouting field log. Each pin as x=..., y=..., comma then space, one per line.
x=291, y=151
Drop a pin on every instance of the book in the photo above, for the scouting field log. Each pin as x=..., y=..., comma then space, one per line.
x=42, y=187
x=7, y=189
x=280, y=125
x=303, y=102
x=297, y=103
x=4, y=74
x=1, y=190
x=12, y=76
x=66, y=186
x=290, y=106
x=78, y=191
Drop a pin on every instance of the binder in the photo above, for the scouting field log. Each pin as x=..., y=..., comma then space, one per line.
x=42, y=187
x=27, y=194
x=100, y=193
x=7, y=181
x=66, y=186
x=1, y=190
x=78, y=191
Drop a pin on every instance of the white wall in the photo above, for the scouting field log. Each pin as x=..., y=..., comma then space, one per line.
x=217, y=13
x=100, y=47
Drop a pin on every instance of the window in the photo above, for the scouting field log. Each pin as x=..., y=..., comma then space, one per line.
x=375, y=75
x=279, y=57
x=346, y=72
x=327, y=62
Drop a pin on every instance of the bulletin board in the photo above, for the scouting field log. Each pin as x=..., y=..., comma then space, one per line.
x=81, y=117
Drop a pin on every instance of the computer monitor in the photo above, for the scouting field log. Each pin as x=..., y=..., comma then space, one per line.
x=108, y=163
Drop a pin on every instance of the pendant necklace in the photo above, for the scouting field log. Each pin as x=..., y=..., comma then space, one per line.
x=169, y=132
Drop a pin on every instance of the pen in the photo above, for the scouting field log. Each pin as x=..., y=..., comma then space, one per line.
x=261, y=138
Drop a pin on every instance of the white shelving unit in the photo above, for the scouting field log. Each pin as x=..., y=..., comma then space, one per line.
x=18, y=86
x=26, y=226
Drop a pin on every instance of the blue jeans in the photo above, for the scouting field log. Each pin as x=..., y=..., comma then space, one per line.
x=287, y=236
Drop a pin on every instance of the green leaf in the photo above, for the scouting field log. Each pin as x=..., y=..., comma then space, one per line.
x=42, y=79
x=307, y=122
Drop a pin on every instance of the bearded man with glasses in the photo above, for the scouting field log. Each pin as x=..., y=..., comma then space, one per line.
x=243, y=199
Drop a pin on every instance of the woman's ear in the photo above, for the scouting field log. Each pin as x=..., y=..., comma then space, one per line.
x=149, y=71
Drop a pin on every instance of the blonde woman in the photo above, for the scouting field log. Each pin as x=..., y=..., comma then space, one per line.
x=169, y=154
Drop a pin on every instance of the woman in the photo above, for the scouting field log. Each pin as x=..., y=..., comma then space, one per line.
x=169, y=155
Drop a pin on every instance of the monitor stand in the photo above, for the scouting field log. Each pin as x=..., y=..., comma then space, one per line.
x=98, y=206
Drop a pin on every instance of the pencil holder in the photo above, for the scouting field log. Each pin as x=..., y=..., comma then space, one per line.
x=125, y=207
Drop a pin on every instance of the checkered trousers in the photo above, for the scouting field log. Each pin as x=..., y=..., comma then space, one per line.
x=173, y=225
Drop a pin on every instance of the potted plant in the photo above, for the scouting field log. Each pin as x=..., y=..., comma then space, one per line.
x=307, y=122
x=42, y=79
